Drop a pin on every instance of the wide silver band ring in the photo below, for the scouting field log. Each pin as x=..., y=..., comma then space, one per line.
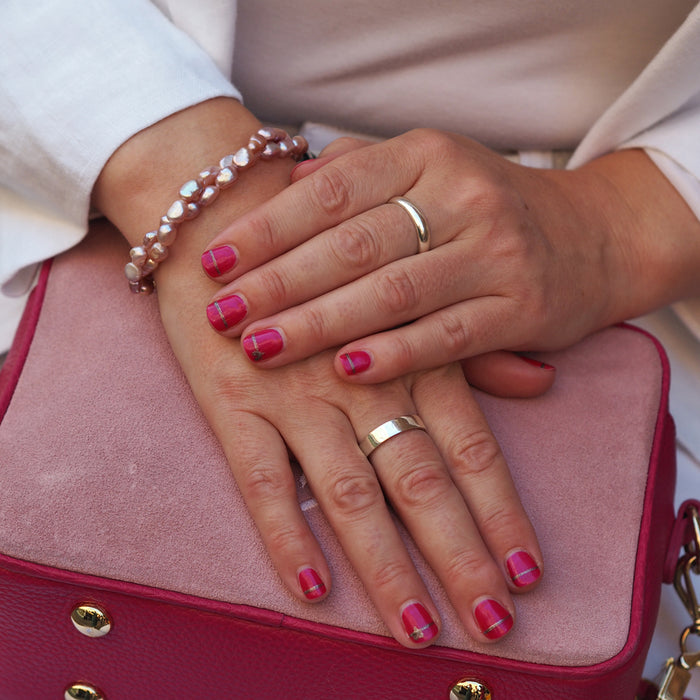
x=388, y=430
x=419, y=221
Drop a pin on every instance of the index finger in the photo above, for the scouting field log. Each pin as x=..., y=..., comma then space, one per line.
x=344, y=187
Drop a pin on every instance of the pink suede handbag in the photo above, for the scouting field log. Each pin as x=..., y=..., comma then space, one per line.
x=130, y=568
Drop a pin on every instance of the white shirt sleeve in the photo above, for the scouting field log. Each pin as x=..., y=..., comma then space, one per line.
x=659, y=112
x=77, y=79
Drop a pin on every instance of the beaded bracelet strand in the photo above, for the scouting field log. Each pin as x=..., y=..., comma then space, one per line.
x=265, y=144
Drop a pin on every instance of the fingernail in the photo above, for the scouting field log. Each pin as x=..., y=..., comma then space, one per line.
x=536, y=363
x=263, y=344
x=311, y=584
x=493, y=619
x=355, y=362
x=418, y=624
x=522, y=569
x=219, y=260
x=227, y=312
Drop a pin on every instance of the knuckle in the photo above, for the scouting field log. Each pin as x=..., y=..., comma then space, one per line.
x=454, y=336
x=475, y=454
x=391, y=575
x=463, y=565
x=500, y=520
x=315, y=323
x=264, y=233
x=332, y=190
x=424, y=486
x=282, y=538
x=353, y=495
x=262, y=484
x=397, y=291
x=355, y=246
x=274, y=284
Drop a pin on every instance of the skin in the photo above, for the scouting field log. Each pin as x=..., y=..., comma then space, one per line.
x=521, y=258
x=449, y=485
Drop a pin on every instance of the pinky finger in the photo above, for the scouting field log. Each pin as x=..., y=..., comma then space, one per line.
x=451, y=334
x=264, y=476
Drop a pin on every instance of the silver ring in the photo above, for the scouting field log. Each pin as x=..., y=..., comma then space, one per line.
x=419, y=222
x=388, y=430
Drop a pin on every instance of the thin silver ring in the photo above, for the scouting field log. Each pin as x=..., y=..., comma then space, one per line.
x=388, y=430
x=419, y=221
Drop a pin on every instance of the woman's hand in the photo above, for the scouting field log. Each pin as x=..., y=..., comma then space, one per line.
x=449, y=484
x=520, y=259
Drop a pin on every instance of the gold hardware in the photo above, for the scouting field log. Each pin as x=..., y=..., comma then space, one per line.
x=470, y=690
x=79, y=691
x=673, y=681
x=91, y=621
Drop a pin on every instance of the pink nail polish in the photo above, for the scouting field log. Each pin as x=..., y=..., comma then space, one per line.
x=493, y=619
x=262, y=345
x=227, y=312
x=536, y=363
x=219, y=260
x=355, y=362
x=522, y=569
x=311, y=584
x=418, y=624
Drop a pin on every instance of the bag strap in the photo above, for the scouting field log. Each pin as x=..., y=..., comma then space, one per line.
x=682, y=563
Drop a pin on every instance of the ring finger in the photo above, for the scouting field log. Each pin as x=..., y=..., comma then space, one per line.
x=419, y=485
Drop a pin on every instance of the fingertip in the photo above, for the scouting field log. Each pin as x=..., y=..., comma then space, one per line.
x=523, y=570
x=306, y=167
x=421, y=627
x=493, y=619
x=509, y=375
x=219, y=260
x=312, y=585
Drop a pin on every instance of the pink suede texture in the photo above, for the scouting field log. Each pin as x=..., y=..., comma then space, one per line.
x=108, y=468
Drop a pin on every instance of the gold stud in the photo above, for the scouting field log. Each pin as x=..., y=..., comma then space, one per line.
x=80, y=691
x=470, y=690
x=91, y=621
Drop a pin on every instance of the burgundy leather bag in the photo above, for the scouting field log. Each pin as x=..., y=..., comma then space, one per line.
x=130, y=566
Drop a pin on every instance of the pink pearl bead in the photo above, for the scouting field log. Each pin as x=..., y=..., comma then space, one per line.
x=138, y=255
x=167, y=234
x=176, y=212
x=226, y=178
x=158, y=252
x=208, y=175
x=132, y=272
x=209, y=195
x=243, y=158
x=191, y=210
x=191, y=190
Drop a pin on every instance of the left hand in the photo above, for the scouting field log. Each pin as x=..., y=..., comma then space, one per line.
x=520, y=259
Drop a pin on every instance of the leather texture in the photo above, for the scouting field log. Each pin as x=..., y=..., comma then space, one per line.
x=169, y=643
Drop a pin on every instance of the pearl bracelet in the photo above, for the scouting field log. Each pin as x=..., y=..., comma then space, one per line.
x=266, y=144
